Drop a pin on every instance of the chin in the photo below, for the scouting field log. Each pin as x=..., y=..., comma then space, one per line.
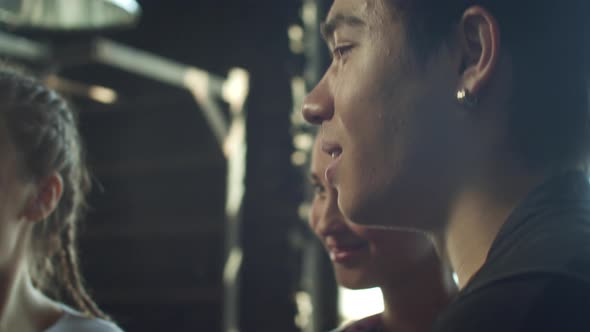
x=357, y=277
x=355, y=282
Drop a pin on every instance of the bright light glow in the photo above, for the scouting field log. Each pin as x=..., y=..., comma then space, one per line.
x=296, y=46
x=456, y=278
x=234, y=148
x=303, y=211
x=298, y=93
x=309, y=13
x=129, y=5
x=235, y=137
x=461, y=94
x=236, y=88
x=102, y=94
x=232, y=266
x=68, y=14
x=97, y=93
x=303, y=141
x=357, y=304
x=304, y=310
x=298, y=158
x=295, y=32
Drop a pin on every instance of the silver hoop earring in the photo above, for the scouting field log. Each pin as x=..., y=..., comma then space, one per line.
x=465, y=98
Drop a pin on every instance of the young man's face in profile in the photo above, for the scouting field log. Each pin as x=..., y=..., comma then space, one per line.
x=386, y=120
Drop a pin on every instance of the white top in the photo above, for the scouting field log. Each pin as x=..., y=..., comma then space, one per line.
x=74, y=321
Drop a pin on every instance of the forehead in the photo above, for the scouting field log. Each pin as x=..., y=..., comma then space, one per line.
x=368, y=10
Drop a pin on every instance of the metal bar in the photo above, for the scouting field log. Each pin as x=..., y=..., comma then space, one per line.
x=23, y=48
x=202, y=84
x=145, y=64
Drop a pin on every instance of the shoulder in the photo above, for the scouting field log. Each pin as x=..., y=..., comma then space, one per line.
x=535, y=302
x=73, y=321
x=553, y=242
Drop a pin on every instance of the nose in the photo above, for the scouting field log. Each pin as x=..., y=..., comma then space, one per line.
x=318, y=106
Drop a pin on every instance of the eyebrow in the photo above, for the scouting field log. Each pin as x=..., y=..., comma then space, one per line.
x=331, y=25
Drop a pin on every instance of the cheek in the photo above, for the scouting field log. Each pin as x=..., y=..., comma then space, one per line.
x=8, y=240
x=356, y=89
x=362, y=231
x=314, y=215
x=428, y=142
x=411, y=248
x=373, y=96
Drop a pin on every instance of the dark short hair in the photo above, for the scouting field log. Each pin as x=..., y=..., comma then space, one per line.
x=547, y=42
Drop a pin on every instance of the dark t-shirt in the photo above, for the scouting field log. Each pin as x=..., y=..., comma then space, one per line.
x=537, y=274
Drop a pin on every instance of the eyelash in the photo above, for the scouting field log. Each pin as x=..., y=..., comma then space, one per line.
x=318, y=189
x=341, y=51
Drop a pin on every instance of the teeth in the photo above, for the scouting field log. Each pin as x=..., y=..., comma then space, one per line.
x=333, y=154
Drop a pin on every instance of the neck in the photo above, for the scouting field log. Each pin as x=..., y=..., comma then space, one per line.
x=479, y=212
x=22, y=307
x=414, y=304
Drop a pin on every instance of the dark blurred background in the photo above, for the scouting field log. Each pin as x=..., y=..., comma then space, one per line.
x=160, y=248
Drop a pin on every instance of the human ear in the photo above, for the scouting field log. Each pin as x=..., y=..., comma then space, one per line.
x=45, y=199
x=479, y=42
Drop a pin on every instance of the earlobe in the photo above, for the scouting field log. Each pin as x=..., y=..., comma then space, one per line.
x=45, y=199
x=479, y=35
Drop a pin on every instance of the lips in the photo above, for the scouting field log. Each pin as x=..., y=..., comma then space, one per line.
x=345, y=252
